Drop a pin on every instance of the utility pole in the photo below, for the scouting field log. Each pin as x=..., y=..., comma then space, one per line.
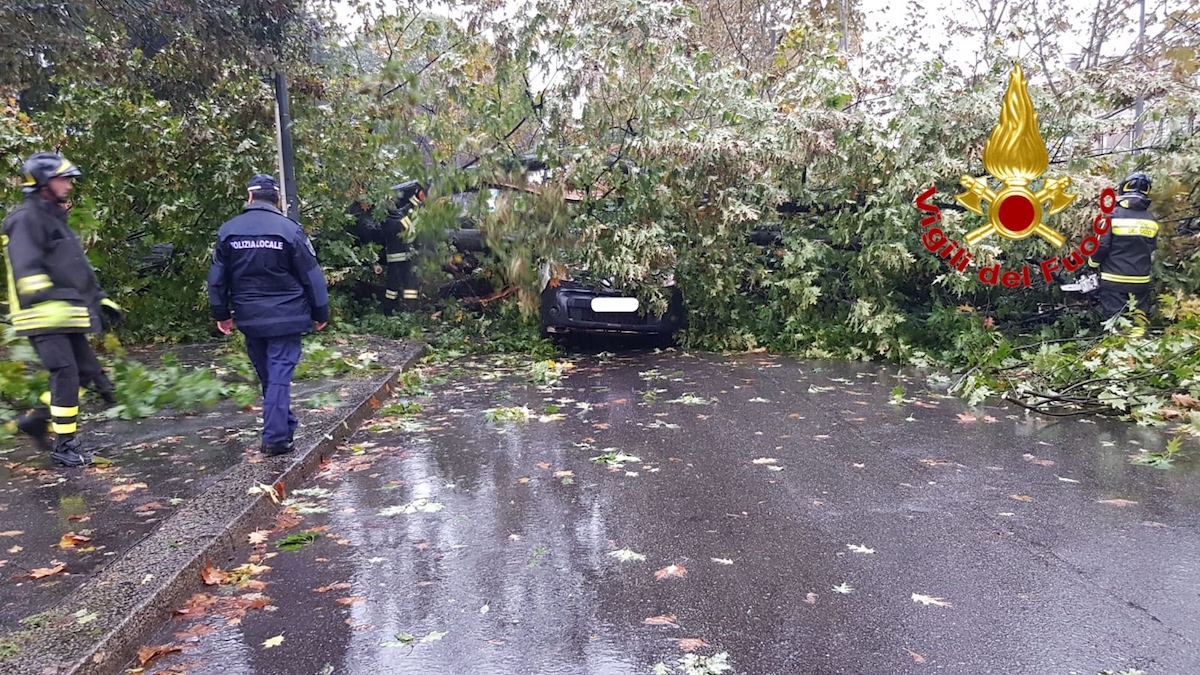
x=844, y=40
x=1139, y=103
x=287, y=156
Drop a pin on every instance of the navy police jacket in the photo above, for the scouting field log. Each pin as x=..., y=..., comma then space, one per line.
x=265, y=270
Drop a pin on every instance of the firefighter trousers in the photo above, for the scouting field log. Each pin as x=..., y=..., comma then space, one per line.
x=1114, y=297
x=71, y=362
x=275, y=360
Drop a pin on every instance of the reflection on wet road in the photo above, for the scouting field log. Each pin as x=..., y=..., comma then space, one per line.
x=673, y=513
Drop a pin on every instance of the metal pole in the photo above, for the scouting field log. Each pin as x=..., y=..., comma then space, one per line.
x=286, y=153
x=1139, y=103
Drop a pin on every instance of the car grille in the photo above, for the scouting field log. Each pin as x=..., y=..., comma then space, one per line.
x=587, y=315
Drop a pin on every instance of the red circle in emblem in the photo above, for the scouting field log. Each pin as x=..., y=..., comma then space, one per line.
x=1016, y=213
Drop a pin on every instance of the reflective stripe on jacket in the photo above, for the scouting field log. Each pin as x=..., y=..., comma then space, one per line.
x=51, y=285
x=1126, y=251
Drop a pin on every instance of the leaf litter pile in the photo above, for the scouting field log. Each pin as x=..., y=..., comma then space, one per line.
x=514, y=451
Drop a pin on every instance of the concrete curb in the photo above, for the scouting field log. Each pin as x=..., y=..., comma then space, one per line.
x=135, y=595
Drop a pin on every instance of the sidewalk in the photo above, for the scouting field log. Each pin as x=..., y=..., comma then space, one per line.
x=62, y=530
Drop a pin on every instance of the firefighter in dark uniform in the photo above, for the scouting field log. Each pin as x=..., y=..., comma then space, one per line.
x=1124, y=255
x=55, y=301
x=265, y=276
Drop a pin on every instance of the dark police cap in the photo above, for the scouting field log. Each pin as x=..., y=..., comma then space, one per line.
x=263, y=182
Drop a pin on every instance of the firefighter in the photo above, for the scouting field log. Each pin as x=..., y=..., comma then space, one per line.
x=265, y=270
x=1124, y=256
x=55, y=301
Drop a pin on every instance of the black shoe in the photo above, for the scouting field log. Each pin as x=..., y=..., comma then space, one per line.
x=36, y=423
x=108, y=397
x=273, y=449
x=70, y=453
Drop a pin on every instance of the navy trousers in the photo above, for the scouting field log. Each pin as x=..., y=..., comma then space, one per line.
x=275, y=360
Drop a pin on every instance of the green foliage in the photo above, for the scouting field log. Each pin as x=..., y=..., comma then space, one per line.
x=142, y=391
x=297, y=540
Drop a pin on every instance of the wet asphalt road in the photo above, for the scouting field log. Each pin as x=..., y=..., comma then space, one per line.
x=780, y=516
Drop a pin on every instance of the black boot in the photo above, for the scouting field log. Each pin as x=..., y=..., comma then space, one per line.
x=36, y=423
x=69, y=452
x=273, y=449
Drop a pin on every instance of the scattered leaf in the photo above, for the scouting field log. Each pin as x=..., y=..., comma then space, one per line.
x=928, y=600
x=843, y=588
x=564, y=474
x=1117, y=502
x=121, y=492
x=915, y=656
x=1185, y=401
x=12, y=533
x=811, y=599
x=147, y=654
x=273, y=642
x=722, y=561
x=691, y=644
x=1040, y=462
x=663, y=620
x=297, y=540
x=341, y=585
x=434, y=636
x=258, y=536
x=213, y=576
x=764, y=460
x=351, y=600
x=423, y=505
x=1021, y=498
x=859, y=548
x=72, y=540
x=627, y=555
x=966, y=418
x=670, y=571
x=43, y=572
x=1066, y=480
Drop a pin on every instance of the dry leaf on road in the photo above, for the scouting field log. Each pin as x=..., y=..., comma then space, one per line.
x=1185, y=400
x=71, y=540
x=12, y=533
x=1040, y=462
x=121, y=492
x=915, y=656
x=1021, y=498
x=811, y=599
x=148, y=653
x=342, y=585
x=273, y=642
x=670, y=571
x=691, y=644
x=213, y=576
x=929, y=600
x=965, y=418
x=258, y=536
x=1117, y=502
x=351, y=600
x=664, y=620
x=43, y=572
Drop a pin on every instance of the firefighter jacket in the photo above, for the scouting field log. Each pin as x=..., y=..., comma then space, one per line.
x=265, y=270
x=1126, y=249
x=51, y=286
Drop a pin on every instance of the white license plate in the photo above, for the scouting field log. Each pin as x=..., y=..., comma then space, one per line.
x=614, y=305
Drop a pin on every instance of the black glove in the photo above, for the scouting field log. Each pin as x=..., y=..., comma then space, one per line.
x=110, y=313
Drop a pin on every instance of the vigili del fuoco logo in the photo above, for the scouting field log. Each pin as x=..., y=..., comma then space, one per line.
x=1016, y=156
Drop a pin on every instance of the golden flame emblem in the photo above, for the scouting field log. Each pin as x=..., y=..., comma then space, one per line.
x=1016, y=155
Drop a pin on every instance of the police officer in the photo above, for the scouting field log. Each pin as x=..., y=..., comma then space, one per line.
x=55, y=301
x=1124, y=255
x=265, y=270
